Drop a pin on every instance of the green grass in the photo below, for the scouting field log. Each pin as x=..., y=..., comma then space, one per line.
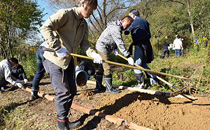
x=182, y=66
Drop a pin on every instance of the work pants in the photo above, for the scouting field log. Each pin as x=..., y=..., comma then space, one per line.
x=104, y=67
x=164, y=53
x=63, y=82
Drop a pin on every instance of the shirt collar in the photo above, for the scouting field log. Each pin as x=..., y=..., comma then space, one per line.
x=76, y=12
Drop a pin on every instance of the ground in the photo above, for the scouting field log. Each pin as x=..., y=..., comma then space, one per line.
x=154, y=112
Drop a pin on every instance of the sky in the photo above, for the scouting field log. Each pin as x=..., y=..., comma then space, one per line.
x=47, y=11
x=42, y=5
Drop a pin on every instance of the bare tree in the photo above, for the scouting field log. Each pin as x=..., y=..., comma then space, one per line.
x=106, y=11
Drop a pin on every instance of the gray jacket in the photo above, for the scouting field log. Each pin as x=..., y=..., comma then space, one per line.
x=5, y=71
x=111, y=38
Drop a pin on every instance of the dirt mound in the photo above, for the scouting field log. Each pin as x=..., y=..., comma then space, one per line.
x=154, y=112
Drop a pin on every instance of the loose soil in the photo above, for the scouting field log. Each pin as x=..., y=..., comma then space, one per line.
x=158, y=113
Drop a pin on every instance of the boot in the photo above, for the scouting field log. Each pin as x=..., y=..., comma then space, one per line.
x=109, y=87
x=140, y=80
x=63, y=124
x=75, y=124
x=34, y=95
x=152, y=78
x=99, y=85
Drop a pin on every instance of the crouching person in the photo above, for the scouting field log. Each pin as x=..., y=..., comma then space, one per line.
x=110, y=39
x=64, y=32
x=5, y=73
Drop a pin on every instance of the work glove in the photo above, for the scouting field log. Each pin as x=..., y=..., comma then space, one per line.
x=17, y=80
x=116, y=52
x=25, y=81
x=130, y=61
x=62, y=52
x=97, y=58
x=19, y=85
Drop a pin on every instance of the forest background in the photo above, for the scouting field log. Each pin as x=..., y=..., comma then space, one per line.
x=20, y=21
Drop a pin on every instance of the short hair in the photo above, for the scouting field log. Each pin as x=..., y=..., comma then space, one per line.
x=134, y=11
x=177, y=36
x=128, y=17
x=14, y=60
x=93, y=3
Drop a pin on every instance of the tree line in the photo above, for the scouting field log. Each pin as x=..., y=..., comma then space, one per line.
x=20, y=19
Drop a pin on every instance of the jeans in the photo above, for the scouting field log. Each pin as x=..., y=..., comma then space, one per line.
x=139, y=59
x=177, y=52
x=39, y=69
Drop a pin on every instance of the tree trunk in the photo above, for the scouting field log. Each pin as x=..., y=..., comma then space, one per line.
x=191, y=19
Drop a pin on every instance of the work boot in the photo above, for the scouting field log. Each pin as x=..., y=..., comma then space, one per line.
x=140, y=80
x=99, y=85
x=34, y=95
x=75, y=124
x=109, y=87
x=63, y=124
x=152, y=78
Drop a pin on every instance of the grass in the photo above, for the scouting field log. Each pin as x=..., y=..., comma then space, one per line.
x=182, y=66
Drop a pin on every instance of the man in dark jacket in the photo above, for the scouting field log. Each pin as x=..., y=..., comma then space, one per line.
x=19, y=73
x=143, y=53
x=111, y=38
x=165, y=49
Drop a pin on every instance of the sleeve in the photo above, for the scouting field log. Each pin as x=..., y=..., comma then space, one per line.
x=117, y=37
x=85, y=46
x=7, y=74
x=53, y=23
x=128, y=30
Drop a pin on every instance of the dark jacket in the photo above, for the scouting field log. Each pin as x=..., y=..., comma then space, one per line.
x=165, y=46
x=140, y=32
x=19, y=73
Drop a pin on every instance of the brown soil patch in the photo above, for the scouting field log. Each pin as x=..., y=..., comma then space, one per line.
x=154, y=112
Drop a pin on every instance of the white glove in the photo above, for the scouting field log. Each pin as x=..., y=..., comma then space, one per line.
x=25, y=80
x=130, y=61
x=19, y=85
x=97, y=58
x=62, y=52
x=18, y=81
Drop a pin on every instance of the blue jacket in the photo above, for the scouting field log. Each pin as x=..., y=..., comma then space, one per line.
x=140, y=32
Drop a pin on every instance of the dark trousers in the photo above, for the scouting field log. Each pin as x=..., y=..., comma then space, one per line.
x=164, y=53
x=39, y=69
x=63, y=82
x=3, y=83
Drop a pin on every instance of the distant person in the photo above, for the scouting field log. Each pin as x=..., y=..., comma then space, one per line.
x=5, y=73
x=143, y=54
x=110, y=39
x=196, y=44
x=86, y=66
x=165, y=49
x=19, y=73
x=39, y=71
x=177, y=44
